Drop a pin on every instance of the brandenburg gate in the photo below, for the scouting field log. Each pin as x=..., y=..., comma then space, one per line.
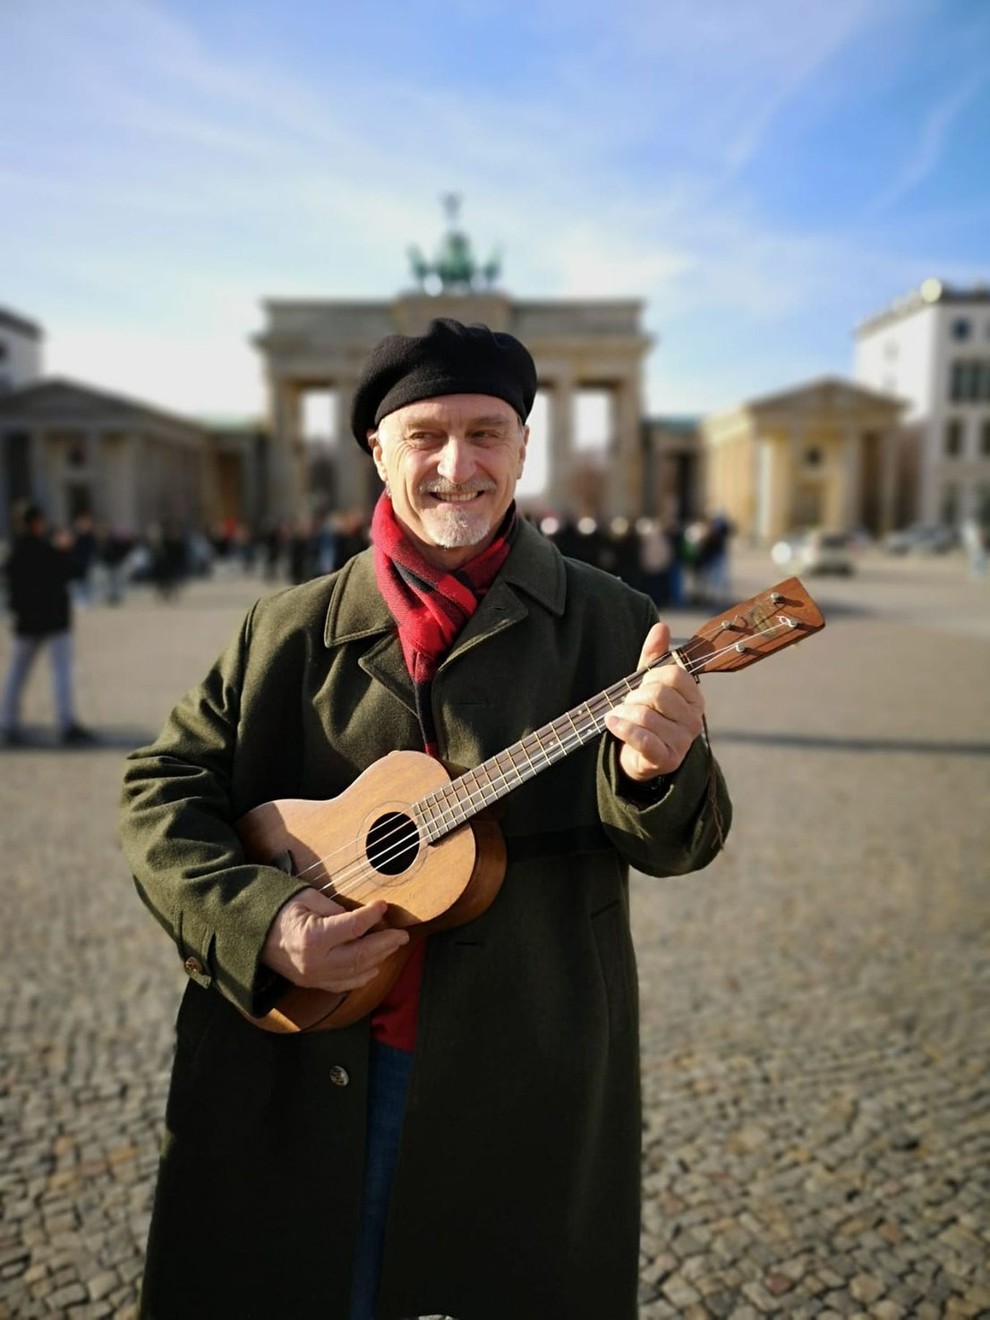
x=317, y=344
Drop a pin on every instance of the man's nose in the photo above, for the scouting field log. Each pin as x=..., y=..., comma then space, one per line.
x=456, y=460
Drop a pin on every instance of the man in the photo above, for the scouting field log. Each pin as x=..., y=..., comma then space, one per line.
x=472, y=1147
x=38, y=573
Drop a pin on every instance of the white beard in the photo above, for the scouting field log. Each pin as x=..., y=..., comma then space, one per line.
x=454, y=528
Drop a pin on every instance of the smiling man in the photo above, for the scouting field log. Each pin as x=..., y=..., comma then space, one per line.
x=469, y=1145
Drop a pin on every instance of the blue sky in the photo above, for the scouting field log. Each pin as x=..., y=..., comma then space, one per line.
x=763, y=175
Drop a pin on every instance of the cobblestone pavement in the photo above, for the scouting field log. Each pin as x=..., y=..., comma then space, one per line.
x=816, y=1005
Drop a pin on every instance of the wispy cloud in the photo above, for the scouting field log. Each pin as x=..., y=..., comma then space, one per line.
x=927, y=149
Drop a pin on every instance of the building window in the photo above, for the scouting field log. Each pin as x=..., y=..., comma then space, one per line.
x=813, y=457
x=969, y=380
x=985, y=438
x=953, y=438
x=4, y=351
x=960, y=328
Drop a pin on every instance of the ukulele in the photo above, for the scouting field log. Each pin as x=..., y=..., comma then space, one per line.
x=408, y=832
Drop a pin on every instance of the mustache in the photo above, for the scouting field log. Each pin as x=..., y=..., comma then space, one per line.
x=449, y=488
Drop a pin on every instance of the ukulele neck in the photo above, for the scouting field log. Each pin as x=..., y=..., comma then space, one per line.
x=464, y=797
x=733, y=640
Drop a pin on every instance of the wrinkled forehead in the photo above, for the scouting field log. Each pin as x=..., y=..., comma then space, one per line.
x=451, y=410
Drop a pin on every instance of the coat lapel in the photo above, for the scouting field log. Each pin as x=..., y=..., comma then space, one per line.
x=357, y=611
x=533, y=569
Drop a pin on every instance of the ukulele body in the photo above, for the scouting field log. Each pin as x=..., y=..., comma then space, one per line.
x=365, y=844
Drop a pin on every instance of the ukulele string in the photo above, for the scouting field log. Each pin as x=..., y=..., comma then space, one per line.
x=354, y=875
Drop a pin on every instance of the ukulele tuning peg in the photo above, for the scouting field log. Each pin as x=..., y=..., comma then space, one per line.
x=775, y=598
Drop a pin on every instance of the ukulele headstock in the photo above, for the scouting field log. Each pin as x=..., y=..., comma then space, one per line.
x=778, y=617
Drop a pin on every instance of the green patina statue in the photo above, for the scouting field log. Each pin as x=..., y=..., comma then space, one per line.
x=454, y=269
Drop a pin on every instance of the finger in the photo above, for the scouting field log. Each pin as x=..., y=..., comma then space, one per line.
x=362, y=957
x=651, y=743
x=651, y=736
x=342, y=925
x=657, y=644
x=675, y=679
x=339, y=984
x=320, y=903
x=666, y=703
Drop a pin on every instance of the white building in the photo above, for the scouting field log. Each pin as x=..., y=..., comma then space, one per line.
x=932, y=349
x=20, y=351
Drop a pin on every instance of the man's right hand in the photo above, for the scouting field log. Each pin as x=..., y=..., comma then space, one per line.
x=316, y=943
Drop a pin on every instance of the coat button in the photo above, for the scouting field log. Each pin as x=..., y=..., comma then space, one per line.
x=339, y=1076
x=193, y=966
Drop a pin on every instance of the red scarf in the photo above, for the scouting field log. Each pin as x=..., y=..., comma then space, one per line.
x=430, y=607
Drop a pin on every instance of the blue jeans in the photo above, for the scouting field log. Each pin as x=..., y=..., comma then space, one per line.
x=25, y=652
x=388, y=1082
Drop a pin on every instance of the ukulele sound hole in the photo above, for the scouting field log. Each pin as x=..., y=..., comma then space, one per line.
x=393, y=842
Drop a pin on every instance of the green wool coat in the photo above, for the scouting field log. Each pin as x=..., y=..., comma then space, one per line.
x=516, y=1192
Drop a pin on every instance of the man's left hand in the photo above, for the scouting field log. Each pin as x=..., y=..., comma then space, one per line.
x=658, y=722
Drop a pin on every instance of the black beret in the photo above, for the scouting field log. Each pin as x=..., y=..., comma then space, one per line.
x=450, y=358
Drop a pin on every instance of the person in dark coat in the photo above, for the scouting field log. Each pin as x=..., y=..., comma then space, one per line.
x=38, y=573
x=468, y=1142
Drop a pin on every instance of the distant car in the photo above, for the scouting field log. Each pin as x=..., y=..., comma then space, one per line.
x=816, y=551
x=921, y=539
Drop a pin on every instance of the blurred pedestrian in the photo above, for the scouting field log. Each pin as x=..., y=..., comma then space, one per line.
x=654, y=560
x=302, y=551
x=38, y=572
x=715, y=556
x=352, y=536
x=974, y=541
x=169, y=559
x=112, y=548
x=83, y=559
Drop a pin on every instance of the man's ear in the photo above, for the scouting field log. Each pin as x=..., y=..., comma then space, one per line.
x=375, y=446
x=522, y=452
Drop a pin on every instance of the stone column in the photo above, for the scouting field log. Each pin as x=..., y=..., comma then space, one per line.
x=560, y=439
x=43, y=473
x=766, y=525
x=285, y=477
x=850, y=497
x=119, y=485
x=888, y=478
x=353, y=464
x=624, y=476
